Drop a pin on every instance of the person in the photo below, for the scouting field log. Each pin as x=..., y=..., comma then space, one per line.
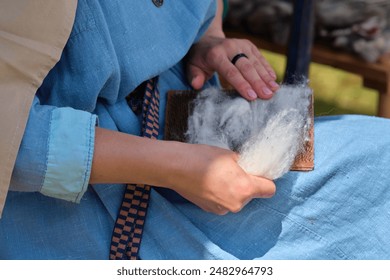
x=81, y=146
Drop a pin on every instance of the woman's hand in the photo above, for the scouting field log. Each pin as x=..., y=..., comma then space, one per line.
x=252, y=77
x=211, y=178
x=207, y=176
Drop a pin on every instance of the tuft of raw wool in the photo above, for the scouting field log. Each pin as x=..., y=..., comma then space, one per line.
x=267, y=134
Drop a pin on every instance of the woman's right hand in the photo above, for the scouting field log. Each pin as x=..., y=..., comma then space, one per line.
x=211, y=178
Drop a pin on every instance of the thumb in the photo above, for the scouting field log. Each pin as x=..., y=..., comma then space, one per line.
x=196, y=77
x=263, y=188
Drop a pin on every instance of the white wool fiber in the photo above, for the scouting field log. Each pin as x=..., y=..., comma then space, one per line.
x=267, y=134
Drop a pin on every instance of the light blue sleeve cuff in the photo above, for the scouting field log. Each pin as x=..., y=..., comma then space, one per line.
x=70, y=153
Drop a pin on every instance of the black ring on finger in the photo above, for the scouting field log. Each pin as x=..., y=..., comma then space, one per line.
x=237, y=57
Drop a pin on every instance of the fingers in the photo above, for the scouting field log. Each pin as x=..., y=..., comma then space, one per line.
x=220, y=210
x=196, y=77
x=264, y=62
x=262, y=187
x=213, y=180
x=257, y=77
x=251, y=75
x=255, y=187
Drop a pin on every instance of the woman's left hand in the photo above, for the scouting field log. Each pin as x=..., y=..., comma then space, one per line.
x=252, y=76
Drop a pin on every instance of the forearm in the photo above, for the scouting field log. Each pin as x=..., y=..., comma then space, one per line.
x=208, y=176
x=215, y=28
x=124, y=158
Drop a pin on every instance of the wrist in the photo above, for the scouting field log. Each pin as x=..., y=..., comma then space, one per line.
x=215, y=30
x=216, y=27
x=172, y=163
x=123, y=158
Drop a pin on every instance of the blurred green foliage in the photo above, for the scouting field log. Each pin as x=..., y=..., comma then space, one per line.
x=335, y=91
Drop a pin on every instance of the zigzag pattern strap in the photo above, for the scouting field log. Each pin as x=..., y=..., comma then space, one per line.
x=127, y=233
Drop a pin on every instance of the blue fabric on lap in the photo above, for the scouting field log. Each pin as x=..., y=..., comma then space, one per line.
x=338, y=211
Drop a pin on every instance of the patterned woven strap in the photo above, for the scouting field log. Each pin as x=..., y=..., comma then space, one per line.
x=127, y=233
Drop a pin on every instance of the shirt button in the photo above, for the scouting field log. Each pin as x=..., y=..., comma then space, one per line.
x=158, y=3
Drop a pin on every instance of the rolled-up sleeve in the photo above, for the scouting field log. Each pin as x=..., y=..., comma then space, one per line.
x=55, y=156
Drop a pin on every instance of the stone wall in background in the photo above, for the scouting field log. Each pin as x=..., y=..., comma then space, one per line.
x=358, y=26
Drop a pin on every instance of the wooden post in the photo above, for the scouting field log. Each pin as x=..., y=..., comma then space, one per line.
x=384, y=95
x=384, y=104
x=300, y=42
x=383, y=89
x=382, y=85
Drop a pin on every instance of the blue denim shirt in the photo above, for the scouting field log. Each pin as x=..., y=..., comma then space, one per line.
x=114, y=46
x=338, y=211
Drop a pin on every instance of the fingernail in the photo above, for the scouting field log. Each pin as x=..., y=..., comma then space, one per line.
x=267, y=91
x=252, y=94
x=273, y=75
x=274, y=84
x=194, y=77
